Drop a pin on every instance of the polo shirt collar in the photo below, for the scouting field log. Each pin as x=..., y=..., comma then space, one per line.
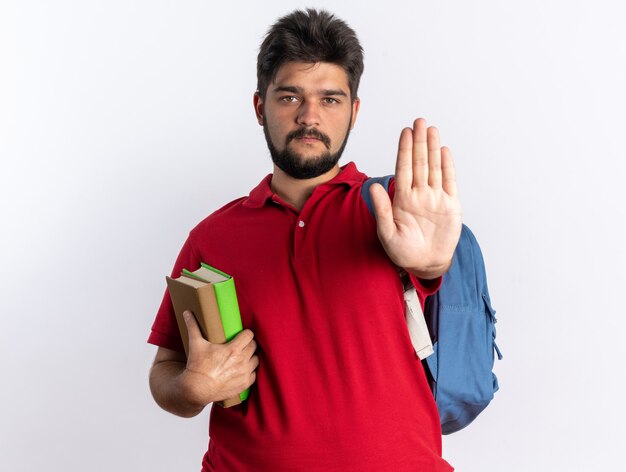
x=348, y=176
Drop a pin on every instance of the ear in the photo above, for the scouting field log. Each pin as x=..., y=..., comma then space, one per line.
x=356, y=105
x=258, y=108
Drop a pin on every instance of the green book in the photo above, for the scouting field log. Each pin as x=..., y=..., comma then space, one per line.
x=210, y=294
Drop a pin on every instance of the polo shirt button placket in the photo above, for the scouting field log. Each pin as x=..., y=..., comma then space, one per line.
x=300, y=252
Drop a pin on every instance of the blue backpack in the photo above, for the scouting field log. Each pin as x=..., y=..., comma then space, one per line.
x=461, y=323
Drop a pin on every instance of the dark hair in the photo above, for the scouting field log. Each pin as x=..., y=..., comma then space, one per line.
x=309, y=36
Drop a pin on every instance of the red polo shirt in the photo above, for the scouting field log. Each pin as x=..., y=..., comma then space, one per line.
x=339, y=387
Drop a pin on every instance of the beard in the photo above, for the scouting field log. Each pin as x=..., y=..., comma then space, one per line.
x=297, y=166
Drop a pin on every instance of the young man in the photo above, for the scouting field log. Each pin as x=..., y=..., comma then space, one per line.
x=336, y=384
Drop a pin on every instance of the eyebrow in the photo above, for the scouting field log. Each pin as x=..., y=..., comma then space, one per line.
x=300, y=90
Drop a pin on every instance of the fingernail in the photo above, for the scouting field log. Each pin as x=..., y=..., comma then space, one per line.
x=186, y=315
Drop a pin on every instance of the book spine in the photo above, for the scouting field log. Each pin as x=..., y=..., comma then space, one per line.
x=226, y=296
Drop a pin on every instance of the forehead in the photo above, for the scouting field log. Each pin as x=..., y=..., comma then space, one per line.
x=311, y=77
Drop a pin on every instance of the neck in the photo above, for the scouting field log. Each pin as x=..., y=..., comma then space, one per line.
x=297, y=191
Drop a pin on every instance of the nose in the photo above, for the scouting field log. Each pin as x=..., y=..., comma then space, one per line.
x=309, y=114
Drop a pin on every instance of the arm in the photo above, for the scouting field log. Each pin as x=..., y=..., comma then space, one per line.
x=212, y=372
x=420, y=229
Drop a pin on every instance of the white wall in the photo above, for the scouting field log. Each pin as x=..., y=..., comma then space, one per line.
x=123, y=123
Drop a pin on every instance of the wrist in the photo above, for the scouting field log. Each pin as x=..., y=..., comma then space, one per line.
x=195, y=390
x=429, y=272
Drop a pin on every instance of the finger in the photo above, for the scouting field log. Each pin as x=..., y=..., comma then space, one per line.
x=239, y=342
x=249, y=350
x=434, y=157
x=404, y=166
x=448, y=172
x=251, y=379
x=254, y=363
x=193, y=329
x=420, y=153
x=383, y=211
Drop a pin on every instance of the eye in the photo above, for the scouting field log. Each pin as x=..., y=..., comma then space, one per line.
x=289, y=99
x=330, y=100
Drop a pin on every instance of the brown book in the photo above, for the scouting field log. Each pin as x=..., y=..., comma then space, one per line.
x=189, y=292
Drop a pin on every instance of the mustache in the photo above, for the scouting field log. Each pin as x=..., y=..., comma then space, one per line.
x=308, y=133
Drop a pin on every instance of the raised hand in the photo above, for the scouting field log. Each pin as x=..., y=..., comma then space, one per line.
x=420, y=229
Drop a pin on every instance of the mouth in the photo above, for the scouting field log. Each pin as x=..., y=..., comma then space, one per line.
x=308, y=140
x=309, y=137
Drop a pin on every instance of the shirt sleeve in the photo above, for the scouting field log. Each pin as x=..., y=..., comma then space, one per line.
x=165, y=332
x=424, y=288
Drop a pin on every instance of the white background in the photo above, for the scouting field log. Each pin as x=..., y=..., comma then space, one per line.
x=124, y=123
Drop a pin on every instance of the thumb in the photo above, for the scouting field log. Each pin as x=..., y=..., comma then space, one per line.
x=383, y=211
x=193, y=329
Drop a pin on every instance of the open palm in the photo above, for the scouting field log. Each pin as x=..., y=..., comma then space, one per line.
x=420, y=229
